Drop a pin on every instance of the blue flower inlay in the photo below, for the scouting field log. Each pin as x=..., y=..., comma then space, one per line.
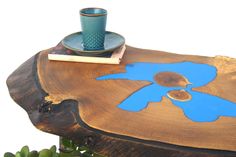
x=202, y=107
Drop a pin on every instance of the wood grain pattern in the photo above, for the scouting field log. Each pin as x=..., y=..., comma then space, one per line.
x=52, y=90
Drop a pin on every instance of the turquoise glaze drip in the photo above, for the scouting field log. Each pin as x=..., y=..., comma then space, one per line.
x=202, y=107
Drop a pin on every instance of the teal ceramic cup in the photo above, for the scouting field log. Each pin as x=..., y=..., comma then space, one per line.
x=93, y=23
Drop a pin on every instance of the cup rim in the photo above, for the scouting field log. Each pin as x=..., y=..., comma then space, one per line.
x=98, y=14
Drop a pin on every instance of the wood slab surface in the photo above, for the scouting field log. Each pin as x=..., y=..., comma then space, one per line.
x=66, y=99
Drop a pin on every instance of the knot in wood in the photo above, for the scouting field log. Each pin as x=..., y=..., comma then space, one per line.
x=180, y=95
x=171, y=79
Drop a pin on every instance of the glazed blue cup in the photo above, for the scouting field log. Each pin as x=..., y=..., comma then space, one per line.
x=93, y=23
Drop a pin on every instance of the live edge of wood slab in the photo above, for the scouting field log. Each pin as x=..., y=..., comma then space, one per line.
x=65, y=99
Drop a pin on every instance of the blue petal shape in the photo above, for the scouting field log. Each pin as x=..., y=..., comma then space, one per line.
x=204, y=107
x=201, y=108
x=140, y=99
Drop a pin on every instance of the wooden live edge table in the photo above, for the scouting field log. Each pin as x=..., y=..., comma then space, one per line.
x=107, y=107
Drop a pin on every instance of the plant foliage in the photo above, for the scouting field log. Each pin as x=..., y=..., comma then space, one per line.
x=69, y=149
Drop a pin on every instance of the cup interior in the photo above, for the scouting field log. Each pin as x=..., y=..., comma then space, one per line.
x=93, y=12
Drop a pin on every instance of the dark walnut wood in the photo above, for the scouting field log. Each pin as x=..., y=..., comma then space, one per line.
x=65, y=99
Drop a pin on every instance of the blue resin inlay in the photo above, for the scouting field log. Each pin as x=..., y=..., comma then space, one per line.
x=202, y=107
